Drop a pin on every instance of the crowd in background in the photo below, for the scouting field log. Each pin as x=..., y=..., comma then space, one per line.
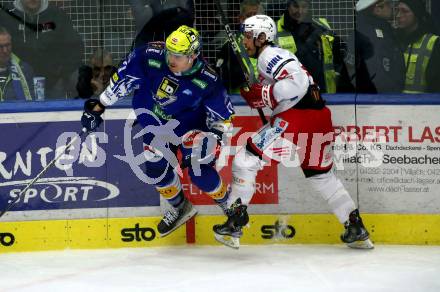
x=394, y=48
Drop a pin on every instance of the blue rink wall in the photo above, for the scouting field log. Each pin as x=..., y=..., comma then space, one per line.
x=386, y=153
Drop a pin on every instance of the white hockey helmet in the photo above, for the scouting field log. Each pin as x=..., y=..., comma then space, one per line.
x=363, y=4
x=258, y=24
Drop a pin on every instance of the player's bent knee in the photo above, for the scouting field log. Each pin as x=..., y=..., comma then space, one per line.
x=160, y=169
x=246, y=160
x=245, y=167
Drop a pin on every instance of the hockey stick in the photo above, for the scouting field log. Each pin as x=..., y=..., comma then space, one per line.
x=43, y=171
x=241, y=55
x=35, y=27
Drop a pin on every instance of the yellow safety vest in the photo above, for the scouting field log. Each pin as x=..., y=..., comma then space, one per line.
x=286, y=41
x=285, y=38
x=417, y=58
x=22, y=79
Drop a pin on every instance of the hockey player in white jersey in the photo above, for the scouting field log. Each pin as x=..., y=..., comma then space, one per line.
x=299, y=120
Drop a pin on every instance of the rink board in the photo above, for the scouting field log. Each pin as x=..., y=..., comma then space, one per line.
x=262, y=229
x=98, y=207
x=407, y=179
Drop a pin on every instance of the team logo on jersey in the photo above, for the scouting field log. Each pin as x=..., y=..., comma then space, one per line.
x=160, y=113
x=115, y=77
x=166, y=92
x=199, y=83
x=154, y=63
x=210, y=73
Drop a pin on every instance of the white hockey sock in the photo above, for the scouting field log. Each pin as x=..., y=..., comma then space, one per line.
x=334, y=192
x=244, y=172
x=341, y=204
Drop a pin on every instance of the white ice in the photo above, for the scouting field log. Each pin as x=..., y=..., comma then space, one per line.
x=252, y=268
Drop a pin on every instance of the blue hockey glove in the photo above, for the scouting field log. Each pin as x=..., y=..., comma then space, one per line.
x=91, y=118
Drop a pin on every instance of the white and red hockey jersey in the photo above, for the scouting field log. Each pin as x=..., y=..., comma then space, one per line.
x=290, y=80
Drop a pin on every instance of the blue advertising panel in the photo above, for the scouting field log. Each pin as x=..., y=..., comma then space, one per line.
x=89, y=175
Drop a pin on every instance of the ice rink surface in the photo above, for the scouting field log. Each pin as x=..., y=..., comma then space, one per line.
x=252, y=268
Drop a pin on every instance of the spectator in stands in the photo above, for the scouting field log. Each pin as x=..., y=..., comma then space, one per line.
x=45, y=38
x=156, y=19
x=315, y=45
x=16, y=76
x=421, y=47
x=375, y=60
x=226, y=65
x=95, y=77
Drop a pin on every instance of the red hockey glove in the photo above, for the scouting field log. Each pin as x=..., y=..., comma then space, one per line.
x=259, y=96
x=200, y=148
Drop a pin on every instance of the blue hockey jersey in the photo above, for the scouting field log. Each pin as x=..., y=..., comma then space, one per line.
x=196, y=99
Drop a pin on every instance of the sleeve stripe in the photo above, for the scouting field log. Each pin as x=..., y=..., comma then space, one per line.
x=281, y=66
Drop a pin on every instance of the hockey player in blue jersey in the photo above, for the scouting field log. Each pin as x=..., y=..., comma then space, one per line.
x=172, y=82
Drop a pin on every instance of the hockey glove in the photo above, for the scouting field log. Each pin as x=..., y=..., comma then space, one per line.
x=259, y=96
x=204, y=148
x=91, y=118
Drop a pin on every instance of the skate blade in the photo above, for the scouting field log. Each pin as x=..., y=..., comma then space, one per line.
x=361, y=244
x=229, y=241
x=181, y=221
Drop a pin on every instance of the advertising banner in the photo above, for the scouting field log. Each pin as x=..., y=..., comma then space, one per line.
x=89, y=175
x=397, y=165
x=386, y=155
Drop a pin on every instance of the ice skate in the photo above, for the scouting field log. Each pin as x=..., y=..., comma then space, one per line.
x=229, y=233
x=175, y=217
x=355, y=235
